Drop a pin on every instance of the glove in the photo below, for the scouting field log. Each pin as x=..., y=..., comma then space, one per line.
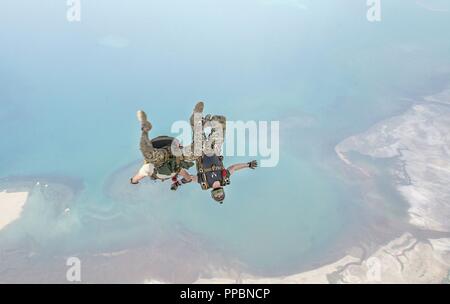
x=185, y=181
x=253, y=164
x=175, y=186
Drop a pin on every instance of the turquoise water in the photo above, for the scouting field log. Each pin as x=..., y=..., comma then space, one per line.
x=69, y=92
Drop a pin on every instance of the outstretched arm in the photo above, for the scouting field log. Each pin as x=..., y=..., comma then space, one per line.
x=236, y=167
x=135, y=179
x=189, y=178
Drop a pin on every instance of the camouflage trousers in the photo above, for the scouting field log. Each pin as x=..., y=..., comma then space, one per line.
x=151, y=154
x=215, y=139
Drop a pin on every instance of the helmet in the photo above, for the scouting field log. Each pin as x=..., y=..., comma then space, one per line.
x=218, y=194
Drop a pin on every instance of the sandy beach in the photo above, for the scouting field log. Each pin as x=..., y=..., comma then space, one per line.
x=415, y=142
x=11, y=206
x=418, y=145
x=403, y=260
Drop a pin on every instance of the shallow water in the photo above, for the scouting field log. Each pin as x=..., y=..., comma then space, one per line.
x=69, y=92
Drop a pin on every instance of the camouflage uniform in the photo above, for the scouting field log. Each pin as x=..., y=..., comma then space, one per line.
x=158, y=157
x=152, y=155
x=213, y=141
x=216, y=137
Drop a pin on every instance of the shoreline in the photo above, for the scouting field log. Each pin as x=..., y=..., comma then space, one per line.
x=403, y=260
x=11, y=207
x=418, y=255
x=428, y=253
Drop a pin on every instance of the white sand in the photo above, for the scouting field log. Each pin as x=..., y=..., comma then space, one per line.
x=316, y=276
x=403, y=260
x=419, y=139
x=11, y=205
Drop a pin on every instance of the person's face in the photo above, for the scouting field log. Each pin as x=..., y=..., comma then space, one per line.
x=218, y=194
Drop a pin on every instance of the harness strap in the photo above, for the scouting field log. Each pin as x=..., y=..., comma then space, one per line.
x=213, y=168
x=154, y=175
x=202, y=173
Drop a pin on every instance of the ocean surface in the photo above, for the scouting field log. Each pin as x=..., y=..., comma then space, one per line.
x=69, y=92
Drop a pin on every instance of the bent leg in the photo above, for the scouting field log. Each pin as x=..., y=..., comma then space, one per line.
x=217, y=136
x=198, y=109
x=151, y=154
x=194, y=150
x=219, y=121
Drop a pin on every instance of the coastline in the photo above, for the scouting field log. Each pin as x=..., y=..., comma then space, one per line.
x=407, y=258
x=403, y=260
x=418, y=142
x=415, y=139
x=11, y=206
